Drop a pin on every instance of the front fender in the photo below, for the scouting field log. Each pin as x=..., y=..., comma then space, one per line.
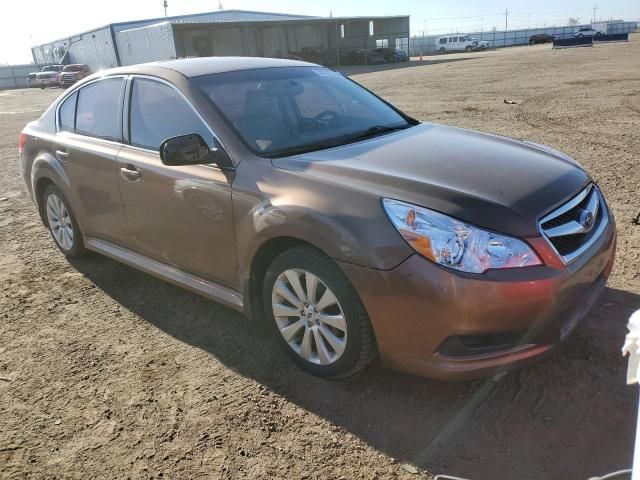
x=346, y=223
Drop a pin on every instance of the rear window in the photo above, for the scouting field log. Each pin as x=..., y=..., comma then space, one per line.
x=97, y=112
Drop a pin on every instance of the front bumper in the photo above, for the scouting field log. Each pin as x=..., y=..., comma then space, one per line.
x=429, y=320
x=45, y=82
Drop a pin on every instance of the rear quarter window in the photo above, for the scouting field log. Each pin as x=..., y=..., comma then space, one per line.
x=67, y=114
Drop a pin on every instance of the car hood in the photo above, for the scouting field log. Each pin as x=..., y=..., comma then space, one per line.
x=494, y=182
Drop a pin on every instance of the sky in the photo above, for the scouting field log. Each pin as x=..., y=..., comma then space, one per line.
x=24, y=23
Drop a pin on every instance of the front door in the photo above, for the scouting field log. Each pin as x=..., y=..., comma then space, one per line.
x=86, y=144
x=181, y=215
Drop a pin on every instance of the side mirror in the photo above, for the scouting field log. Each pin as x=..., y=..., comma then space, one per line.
x=187, y=150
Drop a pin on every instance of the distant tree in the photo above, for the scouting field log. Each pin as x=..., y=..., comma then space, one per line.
x=573, y=21
x=494, y=29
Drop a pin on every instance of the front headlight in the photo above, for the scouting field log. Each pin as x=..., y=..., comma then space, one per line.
x=454, y=244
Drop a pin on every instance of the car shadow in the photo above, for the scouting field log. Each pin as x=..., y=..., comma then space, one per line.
x=569, y=416
x=361, y=69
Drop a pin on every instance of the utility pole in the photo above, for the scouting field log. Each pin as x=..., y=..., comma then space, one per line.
x=595, y=8
x=165, y=8
x=506, y=20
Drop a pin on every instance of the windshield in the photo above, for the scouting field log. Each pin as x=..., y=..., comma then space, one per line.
x=72, y=68
x=280, y=111
x=51, y=68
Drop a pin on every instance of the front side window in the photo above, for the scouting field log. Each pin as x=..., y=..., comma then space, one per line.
x=443, y=40
x=280, y=110
x=157, y=112
x=98, y=113
x=67, y=113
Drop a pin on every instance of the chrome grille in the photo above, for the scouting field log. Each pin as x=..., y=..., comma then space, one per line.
x=574, y=226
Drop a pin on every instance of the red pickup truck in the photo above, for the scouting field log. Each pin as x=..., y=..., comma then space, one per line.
x=72, y=73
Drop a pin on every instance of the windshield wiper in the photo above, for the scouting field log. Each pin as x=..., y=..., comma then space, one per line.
x=373, y=131
x=299, y=149
x=336, y=142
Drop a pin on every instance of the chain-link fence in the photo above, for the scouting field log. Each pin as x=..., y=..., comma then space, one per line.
x=498, y=39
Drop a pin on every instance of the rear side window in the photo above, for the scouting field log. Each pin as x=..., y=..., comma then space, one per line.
x=97, y=112
x=67, y=114
x=443, y=40
x=158, y=112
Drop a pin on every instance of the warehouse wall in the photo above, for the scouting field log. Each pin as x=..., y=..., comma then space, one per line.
x=95, y=48
x=313, y=35
x=146, y=44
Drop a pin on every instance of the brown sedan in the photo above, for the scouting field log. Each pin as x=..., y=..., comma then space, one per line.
x=290, y=193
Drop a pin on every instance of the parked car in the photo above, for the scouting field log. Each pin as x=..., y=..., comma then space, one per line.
x=479, y=45
x=47, y=76
x=354, y=56
x=72, y=73
x=587, y=32
x=388, y=55
x=540, y=38
x=290, y=193
x=454, y=43
x=318, y=55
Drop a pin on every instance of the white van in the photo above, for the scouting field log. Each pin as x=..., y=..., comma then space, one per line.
x=454, y=43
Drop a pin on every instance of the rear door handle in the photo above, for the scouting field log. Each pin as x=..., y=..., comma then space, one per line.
x=130, y=173
x=62, y=155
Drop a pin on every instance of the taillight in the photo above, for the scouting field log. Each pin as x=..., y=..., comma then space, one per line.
x=22, y=139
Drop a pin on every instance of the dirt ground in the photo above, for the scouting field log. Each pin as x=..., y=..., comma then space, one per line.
x=106, y=372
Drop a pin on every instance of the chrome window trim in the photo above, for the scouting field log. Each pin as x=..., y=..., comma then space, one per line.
x=79, y=136
x=157, y=154
x=572, y=203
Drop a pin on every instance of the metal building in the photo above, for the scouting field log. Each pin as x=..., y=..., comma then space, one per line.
x=332, y=41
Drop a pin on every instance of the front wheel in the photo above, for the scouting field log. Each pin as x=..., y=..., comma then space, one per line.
x=62, y=224
x=316, y=314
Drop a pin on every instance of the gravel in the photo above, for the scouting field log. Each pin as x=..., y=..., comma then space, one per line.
x=107, y=372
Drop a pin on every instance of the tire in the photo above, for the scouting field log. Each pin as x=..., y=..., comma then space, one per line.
x=67, y=237
x=598, y=34
x=349, y=328
x=442, y=50
x=468, y=48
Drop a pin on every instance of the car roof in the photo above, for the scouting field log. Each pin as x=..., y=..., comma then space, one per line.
x=194, y=67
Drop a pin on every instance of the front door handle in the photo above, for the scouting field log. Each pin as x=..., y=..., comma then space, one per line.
x=130, y=173
x=62, y=155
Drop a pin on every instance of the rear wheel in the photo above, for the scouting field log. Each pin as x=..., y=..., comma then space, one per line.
x=61, y=222
x=468, y=48
x=317, y=315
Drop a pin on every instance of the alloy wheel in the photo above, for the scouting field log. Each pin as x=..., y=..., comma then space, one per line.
x=59, y=221
x=309, y=316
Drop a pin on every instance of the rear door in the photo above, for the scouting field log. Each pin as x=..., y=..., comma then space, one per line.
x=180, y=215
x=89, y=132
